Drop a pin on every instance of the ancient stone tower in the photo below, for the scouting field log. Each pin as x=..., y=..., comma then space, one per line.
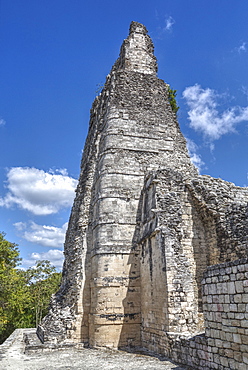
x=144, y=226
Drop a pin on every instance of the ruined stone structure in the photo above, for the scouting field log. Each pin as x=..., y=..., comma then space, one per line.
x=144, y=226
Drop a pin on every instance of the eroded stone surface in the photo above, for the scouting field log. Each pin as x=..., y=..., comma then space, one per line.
x=12, y=357
x=132, y=131
x=144, y=226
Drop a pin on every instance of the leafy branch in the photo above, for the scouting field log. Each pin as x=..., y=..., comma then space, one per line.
x=172, y=99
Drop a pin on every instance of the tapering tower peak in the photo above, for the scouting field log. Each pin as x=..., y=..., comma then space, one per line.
x=136, y=27
x=136, y=53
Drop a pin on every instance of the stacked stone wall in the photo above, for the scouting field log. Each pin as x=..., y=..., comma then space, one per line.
x=132, y=131
x=224, y=345
x=185, y=227
x=168, y=266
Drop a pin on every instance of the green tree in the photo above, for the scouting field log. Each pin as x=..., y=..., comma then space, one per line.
x=24, y=295
x=42, y=282
x=172, y=99
x=9, y=254
x=13, y=290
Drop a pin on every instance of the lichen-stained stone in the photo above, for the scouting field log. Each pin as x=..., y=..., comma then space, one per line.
x=144, y=225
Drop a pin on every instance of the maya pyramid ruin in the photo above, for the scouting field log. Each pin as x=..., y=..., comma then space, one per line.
x=144, y=226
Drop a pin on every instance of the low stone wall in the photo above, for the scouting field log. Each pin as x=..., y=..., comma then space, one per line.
x=224, y=345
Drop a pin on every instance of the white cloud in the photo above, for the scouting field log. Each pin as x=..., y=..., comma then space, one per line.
x=168, y=24
x=204, y=116
x=165, y=25
x=37, y=191
x=242, y=48
x=47, y=236
x=244, y=90
x=2, y=122
x=195, y=158
x=61, y=171
x=56, y=257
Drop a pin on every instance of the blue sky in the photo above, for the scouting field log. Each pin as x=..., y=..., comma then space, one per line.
x=55, y=53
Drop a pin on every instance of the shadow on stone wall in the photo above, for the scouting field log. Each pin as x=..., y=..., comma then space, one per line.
x=130, y=336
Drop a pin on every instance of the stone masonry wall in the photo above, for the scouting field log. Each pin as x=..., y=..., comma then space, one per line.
x=224, y=345
x=132, y=131
x=184, y=225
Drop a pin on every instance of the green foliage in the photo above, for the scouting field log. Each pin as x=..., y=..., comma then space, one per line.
x=10, y=286
x=24, y=295
x=9, y=254
x=43, y=281
x=172, y=99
